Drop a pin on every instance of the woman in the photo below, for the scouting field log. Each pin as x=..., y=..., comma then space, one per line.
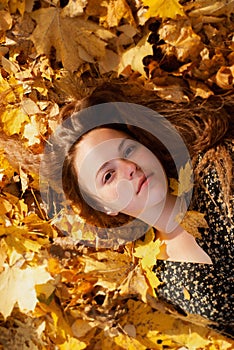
x=115, y=170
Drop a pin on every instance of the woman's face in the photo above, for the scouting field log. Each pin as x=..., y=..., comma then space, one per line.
x=122, y=174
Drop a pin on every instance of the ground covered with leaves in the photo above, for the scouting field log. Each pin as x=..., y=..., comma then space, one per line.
x=57, y=292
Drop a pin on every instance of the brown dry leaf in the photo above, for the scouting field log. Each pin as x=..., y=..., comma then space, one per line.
x=17, y=5
x=199, y=88
x=116, y=11
x=29, y=106
x=169, y=89
x=206, y=8
x=110, y=267
x=18, y=286
x=10, y=66
x=5, y=20
x=76, y=40
x=181, y=39
x=135, y=284
x=134, y=56
x=191, y=221
x=225, y=77
x=163, y=8
x=74, y=8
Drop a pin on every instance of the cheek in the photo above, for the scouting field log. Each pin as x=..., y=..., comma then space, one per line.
x=118, y=195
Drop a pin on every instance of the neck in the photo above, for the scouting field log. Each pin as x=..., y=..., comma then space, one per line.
x=164, y=216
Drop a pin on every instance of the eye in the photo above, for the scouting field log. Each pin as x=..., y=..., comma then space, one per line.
x=108, y=176
x=128, y=151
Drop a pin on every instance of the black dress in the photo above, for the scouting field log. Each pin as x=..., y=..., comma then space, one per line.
x=209, y=288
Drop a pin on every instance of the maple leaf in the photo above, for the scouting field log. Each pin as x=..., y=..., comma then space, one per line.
x=147, y=251
x=13, y=120
x=163, y=8
x=76, y=40
x=32, y=132
x=191, y=221
x=18, y=286
x=185, y=183
x=181, y=39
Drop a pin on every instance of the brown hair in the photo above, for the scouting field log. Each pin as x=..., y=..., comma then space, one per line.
x=202, y=125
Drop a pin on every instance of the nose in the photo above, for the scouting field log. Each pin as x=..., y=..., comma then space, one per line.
x=128, y=168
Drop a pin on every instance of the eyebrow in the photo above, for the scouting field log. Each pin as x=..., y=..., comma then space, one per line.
x=106, y=164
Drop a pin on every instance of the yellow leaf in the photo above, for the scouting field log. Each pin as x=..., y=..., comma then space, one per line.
x=134, y=56
x=5, y=206
x=187, y=295
x=147, y=250
x=128, y=343
x=76, y=40
x=13, y=120
x=18, y=286
x=163, y=8
x=191, y=221
x=31, y=132
x=185, y=183
x=5, y=167
x=153, y=279
x=73, y=344
x=6, y=91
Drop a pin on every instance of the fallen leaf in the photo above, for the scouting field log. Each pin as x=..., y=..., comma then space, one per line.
x=29, y=106
x=163, y=8
x=5, y=206
x=10, y=66
x=185, y=181
x=73, y=344
x=147, y=250
x=116, y=11
x=13, y=120
x=225, y=77
x=76, y=40
x=74, y=8
x=187, y=295
x=199, y=88
x=192, y=221
x=134, y=56
x=18, y=286
x=5, y=20
x=31, y=132
x=17, y=5
x=181, y=39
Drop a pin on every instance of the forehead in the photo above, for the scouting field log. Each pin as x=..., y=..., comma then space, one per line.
x=98, y=139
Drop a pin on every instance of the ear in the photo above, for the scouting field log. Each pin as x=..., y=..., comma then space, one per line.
x=110, y=212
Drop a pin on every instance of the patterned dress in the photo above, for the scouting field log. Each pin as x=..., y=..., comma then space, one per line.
x=210, y=287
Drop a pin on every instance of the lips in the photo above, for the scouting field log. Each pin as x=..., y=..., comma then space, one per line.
x=141, y=182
